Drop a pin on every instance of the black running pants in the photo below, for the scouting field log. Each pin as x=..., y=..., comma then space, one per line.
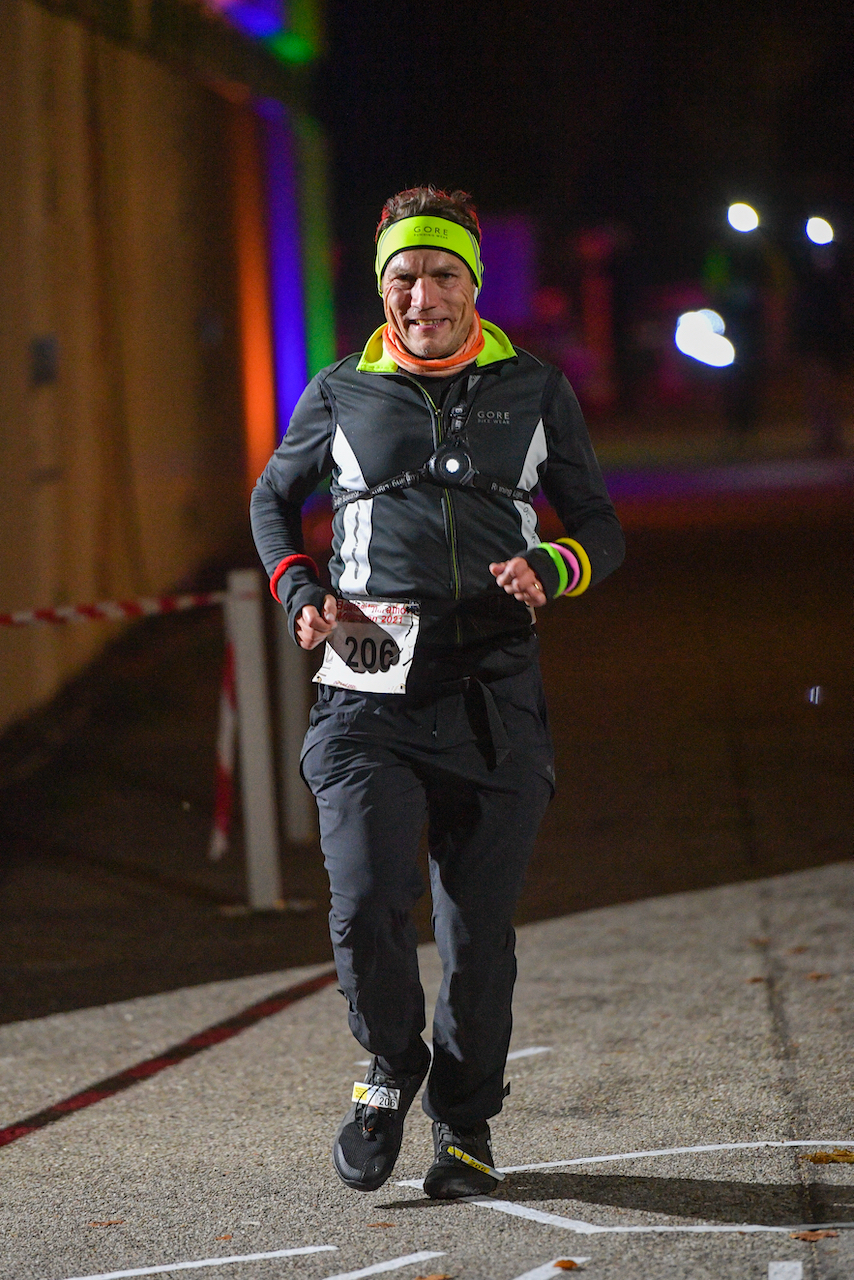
x=379, y=767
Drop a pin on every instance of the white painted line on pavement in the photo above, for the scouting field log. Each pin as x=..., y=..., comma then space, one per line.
x=210, y=1262
x=535, y=1215
x=785, y=1270
x=549, y=1270
x=590, y=1228
x=672, y=1151
x=391, y=1265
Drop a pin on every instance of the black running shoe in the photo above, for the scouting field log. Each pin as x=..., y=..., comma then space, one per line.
x=368, y=1140
x=463, y=1165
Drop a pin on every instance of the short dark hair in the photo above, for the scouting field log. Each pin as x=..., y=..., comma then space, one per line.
x=456, y=206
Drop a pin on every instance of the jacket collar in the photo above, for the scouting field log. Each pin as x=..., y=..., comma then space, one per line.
x=497, y=346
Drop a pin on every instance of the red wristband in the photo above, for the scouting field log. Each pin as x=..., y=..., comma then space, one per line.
x=299, y=558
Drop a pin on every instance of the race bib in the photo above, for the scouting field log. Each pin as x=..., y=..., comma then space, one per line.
x=372, y=647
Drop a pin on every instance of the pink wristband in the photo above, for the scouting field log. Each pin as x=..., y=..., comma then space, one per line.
x=572, y=564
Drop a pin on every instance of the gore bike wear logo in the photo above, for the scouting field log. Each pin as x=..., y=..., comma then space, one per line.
x=492, y=415
x=425, y=229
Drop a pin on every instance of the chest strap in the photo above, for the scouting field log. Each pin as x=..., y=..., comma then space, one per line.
x=408, y=480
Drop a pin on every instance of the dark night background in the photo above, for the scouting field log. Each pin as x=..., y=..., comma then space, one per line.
x=655, y=116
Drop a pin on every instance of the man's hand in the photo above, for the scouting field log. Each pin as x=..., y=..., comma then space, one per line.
x=312, y=627
x=518, y=579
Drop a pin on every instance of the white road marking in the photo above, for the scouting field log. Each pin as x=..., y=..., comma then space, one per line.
x=391, y=1265
x=590, y=1228
x=660, y=1151
x=672, y=1151
x=785, y=1270
x=211, y=1262
x=548, y=1271
x=535, y=1215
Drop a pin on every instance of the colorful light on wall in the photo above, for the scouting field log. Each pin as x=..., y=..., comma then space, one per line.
x=289, y=154
x=253, y=292
x=285, y=249
x=290, y=31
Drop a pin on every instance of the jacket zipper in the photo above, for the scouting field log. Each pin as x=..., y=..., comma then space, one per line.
x=436, y=426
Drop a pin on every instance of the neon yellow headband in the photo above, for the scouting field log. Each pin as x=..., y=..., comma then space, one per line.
x=426, y=231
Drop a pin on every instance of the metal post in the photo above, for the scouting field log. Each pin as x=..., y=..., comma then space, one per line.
x=294, y=684
x=245, y=623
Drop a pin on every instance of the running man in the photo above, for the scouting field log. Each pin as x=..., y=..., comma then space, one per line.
x=431, y=705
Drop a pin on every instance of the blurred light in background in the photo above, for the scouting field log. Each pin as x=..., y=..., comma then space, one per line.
x=742, y=217
x=819, y=231
x=290, y=31
x=715, y=322
x=509, y=247
x=281, y=169
x=283, y=252
x=699, y=334
x=258, y=18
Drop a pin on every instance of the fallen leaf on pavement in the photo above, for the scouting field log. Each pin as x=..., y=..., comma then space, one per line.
x=754, y=979
x=567, y=1264
x=228, y=1237
x=812, y=1235
x=111, y=1222
x=817, y=977
x=380, y=1224
x=839, y=1155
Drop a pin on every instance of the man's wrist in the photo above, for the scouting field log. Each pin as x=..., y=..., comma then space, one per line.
x=562, y=567
x=299, y=558
x=310, y=594
x=545, y=568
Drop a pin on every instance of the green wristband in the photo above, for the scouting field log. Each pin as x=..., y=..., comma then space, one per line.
x=560, y=565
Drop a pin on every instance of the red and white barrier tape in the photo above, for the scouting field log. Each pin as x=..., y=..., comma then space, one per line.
x=226, y=736
x=145, y=607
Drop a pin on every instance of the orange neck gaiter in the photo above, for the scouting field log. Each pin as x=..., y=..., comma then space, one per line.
x=466, y=354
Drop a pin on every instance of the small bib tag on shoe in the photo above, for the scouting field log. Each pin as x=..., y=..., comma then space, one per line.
x=475, y=1164
x=376, y=1095
x=372, y=647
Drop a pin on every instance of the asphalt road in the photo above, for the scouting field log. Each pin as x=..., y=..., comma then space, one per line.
x=681, y=1109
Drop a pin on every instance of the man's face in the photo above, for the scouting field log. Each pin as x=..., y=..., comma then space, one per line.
x=430, y=296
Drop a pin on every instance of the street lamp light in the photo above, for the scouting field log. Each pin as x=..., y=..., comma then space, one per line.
x=819, y=231
x=742, y=217
x=699, y=334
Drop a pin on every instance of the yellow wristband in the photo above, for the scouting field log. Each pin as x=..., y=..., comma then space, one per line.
x=584, y=562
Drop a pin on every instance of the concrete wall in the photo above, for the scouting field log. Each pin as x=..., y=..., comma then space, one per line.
x=121, y=468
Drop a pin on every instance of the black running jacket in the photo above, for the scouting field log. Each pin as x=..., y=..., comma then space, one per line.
x=364, y=420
